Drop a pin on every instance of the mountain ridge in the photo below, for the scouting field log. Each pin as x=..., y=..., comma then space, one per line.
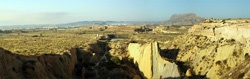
x=184, y=19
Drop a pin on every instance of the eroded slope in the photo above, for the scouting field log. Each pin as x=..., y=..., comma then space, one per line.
x=213, y=47
x=151, y=64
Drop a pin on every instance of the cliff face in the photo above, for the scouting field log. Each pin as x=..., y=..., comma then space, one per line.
x=87, y=61
x=150, y=63
x=241, y=71
x=226, y=29
x=36, y=67
x=214, y=47
x=49, y=66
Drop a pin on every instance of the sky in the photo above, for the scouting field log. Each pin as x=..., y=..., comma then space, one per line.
x=19, y=12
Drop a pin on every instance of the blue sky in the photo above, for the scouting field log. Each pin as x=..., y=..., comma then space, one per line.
x=13, y=12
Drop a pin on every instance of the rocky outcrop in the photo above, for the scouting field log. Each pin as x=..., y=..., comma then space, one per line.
x=150, y=63
x=226, y=29
x=214, y=47
x=49, y=66
x=36, y=67
x=80, y=63
x=241, y=71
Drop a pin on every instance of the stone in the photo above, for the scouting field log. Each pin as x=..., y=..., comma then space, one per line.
x=150, y=63
x=36, y=67
x=214, y=47
x=189, y=73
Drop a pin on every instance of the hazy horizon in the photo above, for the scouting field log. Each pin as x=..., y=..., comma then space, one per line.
x=17, y=12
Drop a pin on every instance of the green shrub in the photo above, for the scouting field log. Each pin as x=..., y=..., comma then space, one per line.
x=35, y=36
x=116, y=60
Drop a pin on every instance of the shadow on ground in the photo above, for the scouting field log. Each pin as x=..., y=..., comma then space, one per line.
x=170, y=53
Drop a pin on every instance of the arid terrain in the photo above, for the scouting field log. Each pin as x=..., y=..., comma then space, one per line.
x=87, y=52
x=124, y=39
x=213, y=49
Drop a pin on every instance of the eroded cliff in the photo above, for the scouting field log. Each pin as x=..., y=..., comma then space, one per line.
x=214, y=47
x=48, y=66
x=91, y=60
x=36, y=67
x=151, y=64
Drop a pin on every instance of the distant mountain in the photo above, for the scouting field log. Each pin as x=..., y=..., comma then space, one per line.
x=184, y=19
x=90, y=23
x=74, y=24
x=176, y=19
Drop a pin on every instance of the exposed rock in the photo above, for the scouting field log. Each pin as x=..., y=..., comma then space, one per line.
x=79, y=63
x=150, y=63
x=189, y=73
x=214, y=47
x=48, y=66
x=36, y=67
x=10, y=65
x=228, y=30
x=241, y=71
